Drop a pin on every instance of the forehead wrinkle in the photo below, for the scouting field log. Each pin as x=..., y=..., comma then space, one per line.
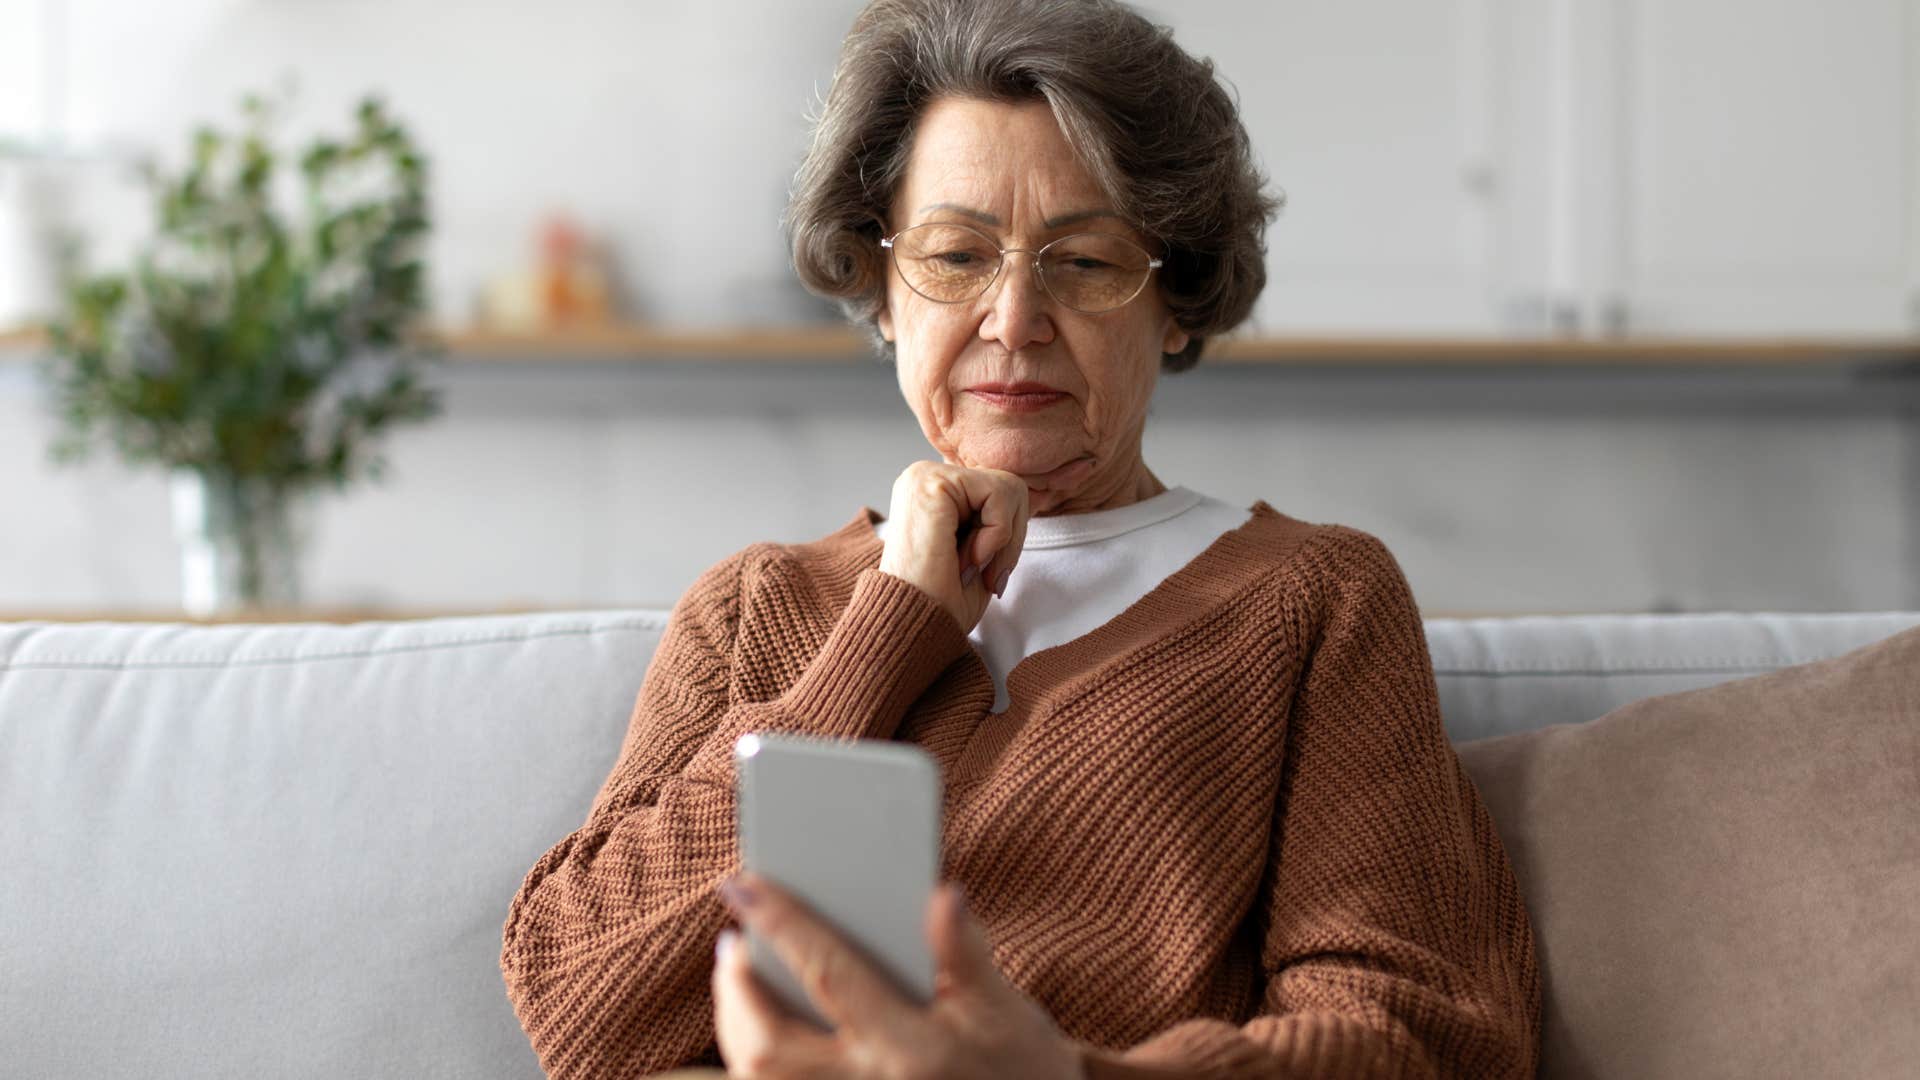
x=961, y=168
x=965, y=211
x=1058, y=221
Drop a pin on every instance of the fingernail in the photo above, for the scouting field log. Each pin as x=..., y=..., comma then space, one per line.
x=724, y=944
x=738, y=895
x=1000, y=582
x=968, y=575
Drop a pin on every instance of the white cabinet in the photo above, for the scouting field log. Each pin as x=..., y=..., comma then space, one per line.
x=1744, y=167
x=1596, y=168
x=1382, y=121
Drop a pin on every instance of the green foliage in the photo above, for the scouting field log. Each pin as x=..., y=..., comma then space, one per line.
x=245, y=345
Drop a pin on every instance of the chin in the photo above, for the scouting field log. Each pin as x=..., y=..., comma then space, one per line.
x=1019, y=453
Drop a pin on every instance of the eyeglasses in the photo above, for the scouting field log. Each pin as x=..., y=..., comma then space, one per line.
x=1088, y=272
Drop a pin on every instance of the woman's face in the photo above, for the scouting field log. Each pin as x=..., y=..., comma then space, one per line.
x=1006, y=170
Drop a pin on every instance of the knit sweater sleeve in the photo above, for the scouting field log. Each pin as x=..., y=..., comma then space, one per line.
x=1395, y=939
x=608, y=945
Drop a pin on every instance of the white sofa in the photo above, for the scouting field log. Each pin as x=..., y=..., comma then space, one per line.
x=286, y=850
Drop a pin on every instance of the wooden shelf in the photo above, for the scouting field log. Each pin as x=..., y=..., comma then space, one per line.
x=640, y=343
x=21, y=339
x=612, y=344
x=1440, y=352
x=833, y=343
x=838, y=344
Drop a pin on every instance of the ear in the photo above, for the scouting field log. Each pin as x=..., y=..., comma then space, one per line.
x=884, y=320
x=1175, y=338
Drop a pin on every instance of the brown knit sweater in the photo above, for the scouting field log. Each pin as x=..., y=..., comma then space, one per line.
x=1223, y=834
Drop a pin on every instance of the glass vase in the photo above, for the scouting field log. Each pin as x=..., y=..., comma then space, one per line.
x=242, y=540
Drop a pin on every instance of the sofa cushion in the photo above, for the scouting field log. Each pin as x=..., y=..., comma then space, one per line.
x=1726, y=882
x=250, y=851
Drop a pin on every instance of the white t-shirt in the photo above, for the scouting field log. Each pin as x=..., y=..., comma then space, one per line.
x=1079, y=571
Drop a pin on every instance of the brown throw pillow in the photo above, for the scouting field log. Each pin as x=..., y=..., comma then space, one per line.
x=1726, y=882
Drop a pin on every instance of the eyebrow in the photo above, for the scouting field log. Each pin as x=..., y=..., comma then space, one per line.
x=1052, y=223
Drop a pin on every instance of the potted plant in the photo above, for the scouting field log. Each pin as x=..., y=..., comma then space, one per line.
x=256, y=357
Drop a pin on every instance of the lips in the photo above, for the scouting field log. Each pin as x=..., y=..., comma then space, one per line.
x=1019, y=403
x=1016, y=388
x=1018, y=396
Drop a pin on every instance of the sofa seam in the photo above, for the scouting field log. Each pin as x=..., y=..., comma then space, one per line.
x=124, y=663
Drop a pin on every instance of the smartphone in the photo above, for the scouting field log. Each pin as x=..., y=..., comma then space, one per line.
x=851, y=827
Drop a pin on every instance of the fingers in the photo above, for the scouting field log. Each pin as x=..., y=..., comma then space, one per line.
x=956, y=534
x=924, y=493
x=846, y=988
x=961, y=953
x=1000, y=500
x=942, y=500
x=931, y=506
x=997, y=574
x=751, y=1027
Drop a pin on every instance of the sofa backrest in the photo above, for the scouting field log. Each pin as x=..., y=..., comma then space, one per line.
x=288, y=850
x=1502, y=676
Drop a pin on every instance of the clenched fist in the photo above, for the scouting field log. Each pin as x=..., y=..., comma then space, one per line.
x=956, y=533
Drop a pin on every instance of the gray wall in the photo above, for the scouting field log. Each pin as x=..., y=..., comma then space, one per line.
x=668, y=129
x=1500, y=491
x=672, y=129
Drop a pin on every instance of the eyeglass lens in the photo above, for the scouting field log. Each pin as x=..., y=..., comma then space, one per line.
x=1088, y=272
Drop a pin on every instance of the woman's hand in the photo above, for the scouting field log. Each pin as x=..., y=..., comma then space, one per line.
x=978, y=1025
x=933, y=503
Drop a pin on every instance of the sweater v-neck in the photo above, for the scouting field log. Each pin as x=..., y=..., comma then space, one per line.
x=1209, y=579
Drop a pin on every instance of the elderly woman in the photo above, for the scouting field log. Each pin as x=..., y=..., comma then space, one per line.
x=1198, y=794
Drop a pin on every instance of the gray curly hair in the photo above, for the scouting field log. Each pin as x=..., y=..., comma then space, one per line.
x=1157, y=130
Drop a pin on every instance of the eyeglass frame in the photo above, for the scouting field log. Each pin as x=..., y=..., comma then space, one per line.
x=1039, y=275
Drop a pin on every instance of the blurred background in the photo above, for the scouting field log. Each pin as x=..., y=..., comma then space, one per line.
x=1580, y=305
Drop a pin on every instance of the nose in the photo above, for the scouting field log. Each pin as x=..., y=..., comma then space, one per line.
x=1019, y=312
